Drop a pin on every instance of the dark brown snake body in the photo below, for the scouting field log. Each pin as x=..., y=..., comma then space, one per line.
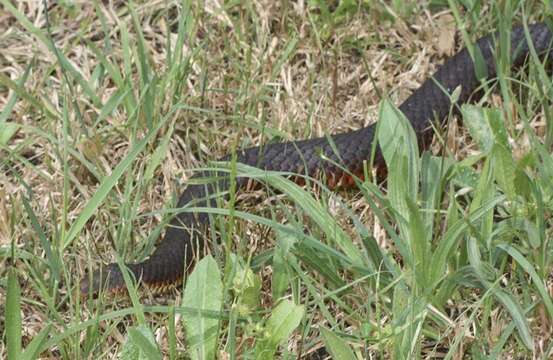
x=180, y=246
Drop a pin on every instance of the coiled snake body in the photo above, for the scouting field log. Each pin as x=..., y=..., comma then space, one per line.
x=175, y=254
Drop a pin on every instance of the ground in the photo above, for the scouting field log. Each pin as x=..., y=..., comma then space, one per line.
x=108, y=107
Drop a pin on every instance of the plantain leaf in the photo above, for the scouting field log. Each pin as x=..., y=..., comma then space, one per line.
x=203, y=291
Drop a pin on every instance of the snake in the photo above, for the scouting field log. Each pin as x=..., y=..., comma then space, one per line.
x=337, y=158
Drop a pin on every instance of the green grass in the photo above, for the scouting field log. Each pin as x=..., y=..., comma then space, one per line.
x=106, y=112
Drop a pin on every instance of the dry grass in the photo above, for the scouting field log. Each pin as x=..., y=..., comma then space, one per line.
x=249, y=89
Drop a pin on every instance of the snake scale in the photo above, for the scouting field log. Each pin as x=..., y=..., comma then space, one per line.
x=180, y=245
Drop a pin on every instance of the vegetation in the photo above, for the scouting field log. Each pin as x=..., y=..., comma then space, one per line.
x=106, y=108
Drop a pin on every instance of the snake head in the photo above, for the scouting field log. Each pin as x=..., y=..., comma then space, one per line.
x=108, y=279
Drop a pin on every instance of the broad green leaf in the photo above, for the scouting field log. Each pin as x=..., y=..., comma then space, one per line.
x=140, y=345
x=247, y=288
x=475, y=121
x=13, y=316
x=420, y=240
x=280, y=277
x=496, y=122
x=284, y=319
x=399, y=147
x=485, y=190
x=7, y=131
x=203, y=291
x=398, y=141
x=337, y=347
x=532, y=232
x=504, y=171
x=488, y=129
x=433, y=172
